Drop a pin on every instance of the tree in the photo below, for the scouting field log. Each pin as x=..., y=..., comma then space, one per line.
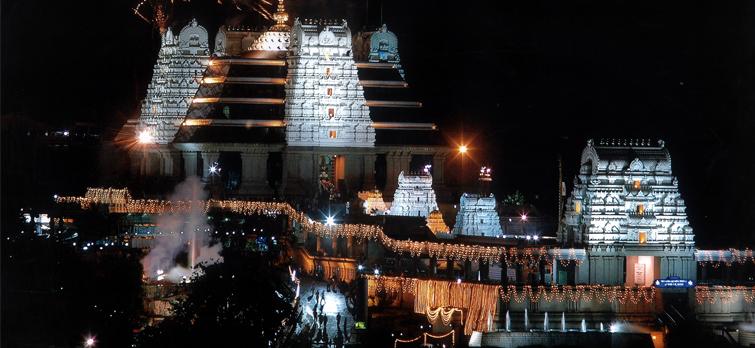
x=241, y=301
x=515, y=199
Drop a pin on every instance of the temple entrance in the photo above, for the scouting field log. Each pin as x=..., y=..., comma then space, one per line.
x=641, y=270
x=331, y=176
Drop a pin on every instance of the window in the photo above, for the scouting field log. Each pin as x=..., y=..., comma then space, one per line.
x=577, y=207
x=637, y=184
x=331, y=113
x=640, y=209
x=643, y=238
x=332, y=134
x=330, y=92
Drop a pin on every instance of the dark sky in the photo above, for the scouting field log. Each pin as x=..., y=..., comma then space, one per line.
x=528, y=81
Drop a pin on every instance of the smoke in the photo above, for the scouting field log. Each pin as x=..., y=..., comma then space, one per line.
x=182, y=232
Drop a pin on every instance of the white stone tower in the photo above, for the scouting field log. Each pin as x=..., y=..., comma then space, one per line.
x=477, y=216
x=325, y=104
x=414, y=196
x=175, y=81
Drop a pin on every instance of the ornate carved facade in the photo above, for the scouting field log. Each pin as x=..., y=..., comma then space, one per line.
x=626, y=194
x=181, y=60
x=325, y=104
x=269, y=107
x=414, y=196
x=477, y=216
x=626, y=209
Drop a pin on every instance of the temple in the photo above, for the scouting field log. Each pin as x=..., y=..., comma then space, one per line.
x=625, y=208
x=283, y=112
x=478, y=216
x=414, y=196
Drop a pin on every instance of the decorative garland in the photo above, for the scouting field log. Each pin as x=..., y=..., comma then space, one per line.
x=425, y=335
x=121, y=199
x=480, y=300
x=738, y=256
x=726, y=294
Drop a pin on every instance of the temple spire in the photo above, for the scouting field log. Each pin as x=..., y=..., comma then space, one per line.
x=280, y=18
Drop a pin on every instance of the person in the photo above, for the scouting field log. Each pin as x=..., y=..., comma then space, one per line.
x=338, y=319
x=330, y=281
x=313, y=286
x=317, y=296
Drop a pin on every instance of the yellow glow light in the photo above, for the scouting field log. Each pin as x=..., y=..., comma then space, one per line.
x=463, y=149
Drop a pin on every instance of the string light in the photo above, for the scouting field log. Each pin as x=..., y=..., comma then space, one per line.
x=726, y=294
x=120, y=200
x=739, y=256
x=452, y=333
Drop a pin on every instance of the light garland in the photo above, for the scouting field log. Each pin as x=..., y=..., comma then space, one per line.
x=480, y=299
x=121, y=198
x=726, y=294
x=738, y=256
x=452, y=333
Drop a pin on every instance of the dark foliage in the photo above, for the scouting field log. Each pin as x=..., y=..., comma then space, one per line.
x=240, y=302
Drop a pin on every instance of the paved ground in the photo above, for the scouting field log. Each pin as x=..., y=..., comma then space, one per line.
x=327, y=320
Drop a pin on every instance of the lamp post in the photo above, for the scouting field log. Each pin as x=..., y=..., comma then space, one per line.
x=462, y=151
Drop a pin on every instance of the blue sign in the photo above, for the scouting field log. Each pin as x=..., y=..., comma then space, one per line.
x=674, y=282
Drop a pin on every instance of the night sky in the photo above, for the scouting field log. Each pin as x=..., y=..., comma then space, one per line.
x=525, y=81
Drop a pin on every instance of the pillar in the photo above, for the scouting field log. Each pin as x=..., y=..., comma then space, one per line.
x=253, y=171
x=369, y=172
x=209, y=158
x=449, y=269
x=468, y=270
x=350, y=246
x=190, y=163
x=433, y=266
x=439, y=164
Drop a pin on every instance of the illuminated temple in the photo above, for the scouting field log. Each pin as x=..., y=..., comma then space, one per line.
x=283, y=111
x=625, y=208
x=311, y=111
x=414, y=196
x=477, y=216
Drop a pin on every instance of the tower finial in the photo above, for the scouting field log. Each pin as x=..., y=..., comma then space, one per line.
x=280, y=18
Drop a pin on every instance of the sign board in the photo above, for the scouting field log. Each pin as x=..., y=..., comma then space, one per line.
x=674, y=282
x=511, y=274
x=639, y=273
x=360, y=325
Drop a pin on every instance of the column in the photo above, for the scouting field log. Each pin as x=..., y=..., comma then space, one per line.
x=350, y=246
x=392, y=171
x=253, y=170
x=209, y=159
x=190, y=163
x=439, y=164
x=369, y=172
x=468, y=270
x=433, y=266
x=449, y=269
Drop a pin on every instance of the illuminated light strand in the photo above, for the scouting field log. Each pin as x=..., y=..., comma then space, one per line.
x=405, y=341
x=726, y=294
x=452, y=333
x=738, y=256
x=487, y=254
x=122, y=199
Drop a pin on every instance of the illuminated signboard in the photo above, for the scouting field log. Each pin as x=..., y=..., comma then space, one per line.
x=360, y=325
x=674, y=282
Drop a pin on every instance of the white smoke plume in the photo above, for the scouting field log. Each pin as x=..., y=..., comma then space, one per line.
x=180, y=232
